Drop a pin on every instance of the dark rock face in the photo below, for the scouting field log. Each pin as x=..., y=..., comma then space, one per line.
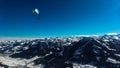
x=94, y=52
x=101, y=52
x=38, y=49
x=4, y=66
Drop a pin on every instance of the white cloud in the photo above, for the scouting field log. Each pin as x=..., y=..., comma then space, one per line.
x=16, y=38
x=87, y=35
x=112, y=34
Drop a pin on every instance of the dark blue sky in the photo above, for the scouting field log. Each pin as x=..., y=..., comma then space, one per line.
x=58, y=17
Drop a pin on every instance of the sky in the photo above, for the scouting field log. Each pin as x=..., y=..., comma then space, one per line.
x=58, y=17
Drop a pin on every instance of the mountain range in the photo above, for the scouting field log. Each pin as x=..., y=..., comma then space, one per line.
x=71, y=52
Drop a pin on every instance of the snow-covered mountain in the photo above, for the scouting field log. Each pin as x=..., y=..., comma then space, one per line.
x=73, y=52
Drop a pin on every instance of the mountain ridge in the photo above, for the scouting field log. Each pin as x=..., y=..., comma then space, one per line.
x=72, y=52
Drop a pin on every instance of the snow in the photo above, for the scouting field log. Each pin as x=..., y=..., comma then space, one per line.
x=21, y=43
x=108, y=47
x=10, y=61
x=0, y=46
x=115, y=37
x=83, y=66
x=39, y=66
x=106, y=40
x=33, y=43
x=25, y=48
x=18, y=62
x=30, y=62
x=117, y=55
x=112, y=61
x=17, y=47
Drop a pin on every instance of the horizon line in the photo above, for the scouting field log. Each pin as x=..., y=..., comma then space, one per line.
x=23, y=38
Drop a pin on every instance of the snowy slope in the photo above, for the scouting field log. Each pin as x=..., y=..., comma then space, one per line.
x=72, y=52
